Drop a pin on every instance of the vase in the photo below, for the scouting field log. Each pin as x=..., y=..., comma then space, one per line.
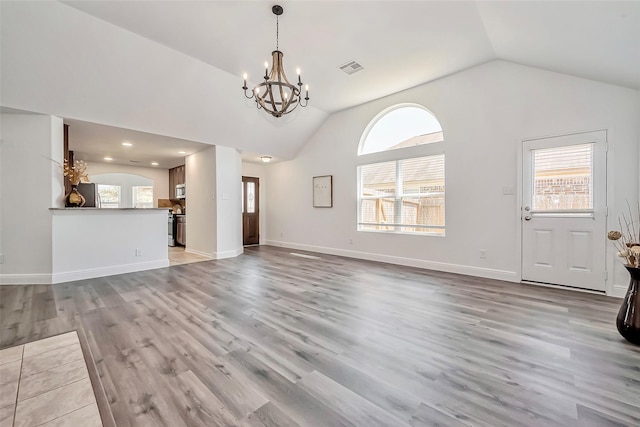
x=74, y=199
x=628, y=321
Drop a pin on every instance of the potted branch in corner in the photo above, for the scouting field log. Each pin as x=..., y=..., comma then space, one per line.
x=76, y=174
x=627, y=240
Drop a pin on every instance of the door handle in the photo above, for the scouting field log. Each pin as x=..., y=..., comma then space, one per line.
x=527, y=218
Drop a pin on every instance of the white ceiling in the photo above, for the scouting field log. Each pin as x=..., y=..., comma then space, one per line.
x=401, y=44
x=93, y=142
x=75, y=56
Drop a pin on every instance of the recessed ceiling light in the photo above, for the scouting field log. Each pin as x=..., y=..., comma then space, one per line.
x=127, y=144
x=154, y=163
x=182, y=152
x=108, y=159
x=265, y=159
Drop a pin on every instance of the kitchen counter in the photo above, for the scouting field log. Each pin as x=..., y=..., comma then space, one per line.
x=109, y=209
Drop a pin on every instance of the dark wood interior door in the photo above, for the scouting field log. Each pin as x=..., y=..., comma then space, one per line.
x=250, y=210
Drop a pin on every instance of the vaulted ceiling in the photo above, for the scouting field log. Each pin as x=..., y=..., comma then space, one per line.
x=400, y=44
x=174, y=67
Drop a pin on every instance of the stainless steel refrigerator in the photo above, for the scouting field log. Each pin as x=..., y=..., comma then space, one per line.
x=89, y=191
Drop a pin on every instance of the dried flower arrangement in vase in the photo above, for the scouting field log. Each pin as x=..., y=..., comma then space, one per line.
x=76, y=174
x=627, y=239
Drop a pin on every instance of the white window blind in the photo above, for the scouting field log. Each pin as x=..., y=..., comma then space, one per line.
x=563, y=178
x=403, y=196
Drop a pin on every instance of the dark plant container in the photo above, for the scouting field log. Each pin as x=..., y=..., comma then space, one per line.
x=628, y=321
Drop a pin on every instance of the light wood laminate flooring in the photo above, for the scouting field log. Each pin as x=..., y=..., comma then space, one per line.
x=273, y=339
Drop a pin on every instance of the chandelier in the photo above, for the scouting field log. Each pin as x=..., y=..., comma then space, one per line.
x=276, y=95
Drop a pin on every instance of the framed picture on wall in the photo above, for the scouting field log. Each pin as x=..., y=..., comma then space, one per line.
x=323, y=191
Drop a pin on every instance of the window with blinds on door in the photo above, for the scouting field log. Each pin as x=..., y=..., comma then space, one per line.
x=404, y=196
x=563, y=179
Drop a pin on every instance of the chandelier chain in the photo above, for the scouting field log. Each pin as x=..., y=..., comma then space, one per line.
x=277, y=32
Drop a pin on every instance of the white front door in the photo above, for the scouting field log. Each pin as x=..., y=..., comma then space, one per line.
x=564, y=210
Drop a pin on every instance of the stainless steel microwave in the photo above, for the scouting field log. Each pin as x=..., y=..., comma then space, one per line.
x=180, y=191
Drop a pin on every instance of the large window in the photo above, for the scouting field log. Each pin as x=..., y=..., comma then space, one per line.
x=109, y=195
x=403, y=195
x=402, y=189
x=400, y=127
x=142, y=196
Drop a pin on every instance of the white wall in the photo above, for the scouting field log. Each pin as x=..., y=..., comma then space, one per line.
x=256, y=170
x=229, y=202
x=485, y=113
x=97, y=243
x=200, y=180
x=31, y=182
x=61, y=61
x=126, y=182
x=214, y=217
x=160, y=177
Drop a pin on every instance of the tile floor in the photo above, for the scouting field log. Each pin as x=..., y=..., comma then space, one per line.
x=177, y=256
x=46, y=383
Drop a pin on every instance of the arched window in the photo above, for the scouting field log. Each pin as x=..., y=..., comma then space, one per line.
x=401, y=126
x=405, y=194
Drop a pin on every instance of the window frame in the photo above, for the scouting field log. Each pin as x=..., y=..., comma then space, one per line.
x=134, y=195
x=119, y=196
x=398, y=197
x=382, y=114
x=397, y=154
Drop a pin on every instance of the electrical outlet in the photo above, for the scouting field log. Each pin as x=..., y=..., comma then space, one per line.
x=1, y=258
x=138, y=252
x=351, y=241
x=281, y=234
x=483, y=253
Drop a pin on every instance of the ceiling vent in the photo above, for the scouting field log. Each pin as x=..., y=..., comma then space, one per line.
x=134, y=161
x=351, y=67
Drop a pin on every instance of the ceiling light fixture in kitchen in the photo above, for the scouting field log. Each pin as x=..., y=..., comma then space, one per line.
x=182, y=152
x=275, y=94
x=154, y=163
x=108, y=159
x=127, y=144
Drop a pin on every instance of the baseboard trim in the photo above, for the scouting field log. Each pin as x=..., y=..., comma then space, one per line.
x=71, y=276
x=229, y=254
x=217, y=255
x=488, y=273
x=25, y=279
x=201, y=253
